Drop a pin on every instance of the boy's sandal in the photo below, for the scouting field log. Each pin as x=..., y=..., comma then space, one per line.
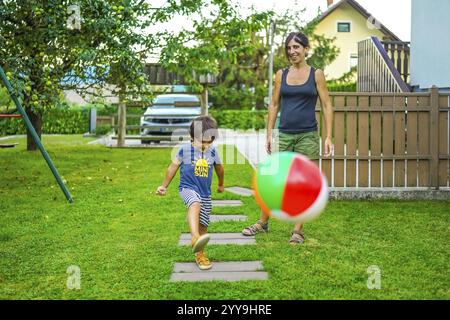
x=199, y=243
x=202, y=261
x=297, y=237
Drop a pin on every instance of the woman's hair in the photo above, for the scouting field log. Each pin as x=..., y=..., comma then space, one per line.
x=298, y=37
x=204, y=128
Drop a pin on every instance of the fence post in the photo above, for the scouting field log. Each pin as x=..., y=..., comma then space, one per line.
x=434, y=137
x=92, y=120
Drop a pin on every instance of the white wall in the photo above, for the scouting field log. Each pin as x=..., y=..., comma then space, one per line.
x=430, y=43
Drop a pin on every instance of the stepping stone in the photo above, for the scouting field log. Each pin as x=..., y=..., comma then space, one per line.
x=220, y=238
x=227, y=217
x=225, y=271
x=226, y=203
x=240, y=191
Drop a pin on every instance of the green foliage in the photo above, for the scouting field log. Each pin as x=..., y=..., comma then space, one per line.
x=236, y=49
x=342, y=87
x=240, y=119
x=346, y=83
x=103, y=130
x=44, y=52
x=59, y=120
x=5, y=100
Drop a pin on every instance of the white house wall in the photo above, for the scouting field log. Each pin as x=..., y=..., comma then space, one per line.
x=430, y=43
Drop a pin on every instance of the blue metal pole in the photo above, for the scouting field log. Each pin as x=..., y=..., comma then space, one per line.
x=35, y=136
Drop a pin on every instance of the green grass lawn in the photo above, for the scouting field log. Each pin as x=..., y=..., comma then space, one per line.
x=124, y=238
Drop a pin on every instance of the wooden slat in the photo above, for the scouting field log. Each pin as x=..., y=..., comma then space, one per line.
x=443, y=149
x=326, y=163
x=411, y=148
x=375, y=143
x=363, y=143
x=424, y=148
x=381, y=108
x=351, y=141
x=399, y=142
x=382, y=94
x=388, y=141
x=423, y=101
x=339, y=131
x=444, y=101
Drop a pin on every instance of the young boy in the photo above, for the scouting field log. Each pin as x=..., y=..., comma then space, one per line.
x=196, y=160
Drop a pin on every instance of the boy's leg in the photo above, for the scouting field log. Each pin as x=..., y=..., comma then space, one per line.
x=193, y=202
x=205, y=210
x=202, y=229
x=193, y=218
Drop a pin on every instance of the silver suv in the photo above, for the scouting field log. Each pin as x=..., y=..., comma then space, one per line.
x=169, y=112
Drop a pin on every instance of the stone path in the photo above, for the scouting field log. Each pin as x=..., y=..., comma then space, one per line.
x=225, y=271
x=227, y=217
x=245, y=192
x=226, y=203
x=220, y=238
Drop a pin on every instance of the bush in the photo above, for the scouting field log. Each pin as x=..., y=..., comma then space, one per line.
x=342, y=87
x=240, y=119
x=59, y=120
x=103, y=130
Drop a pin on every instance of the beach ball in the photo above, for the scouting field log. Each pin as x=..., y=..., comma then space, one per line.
x=290, y=187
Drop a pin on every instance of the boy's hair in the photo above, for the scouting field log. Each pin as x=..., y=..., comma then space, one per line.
x=204, y=128
x=298, y=37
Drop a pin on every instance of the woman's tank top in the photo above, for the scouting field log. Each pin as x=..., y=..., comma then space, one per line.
x=298, y=104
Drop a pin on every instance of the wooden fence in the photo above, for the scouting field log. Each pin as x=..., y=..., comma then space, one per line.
x=389, y=140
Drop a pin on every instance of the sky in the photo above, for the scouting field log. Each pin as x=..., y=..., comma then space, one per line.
x=394, y=14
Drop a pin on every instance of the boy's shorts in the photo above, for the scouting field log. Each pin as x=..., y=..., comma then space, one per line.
x=189, y=196
x=306, y=143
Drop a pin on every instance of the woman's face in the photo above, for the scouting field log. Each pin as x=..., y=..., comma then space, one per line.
x=296, y=51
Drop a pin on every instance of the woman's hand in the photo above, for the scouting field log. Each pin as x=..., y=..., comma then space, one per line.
x=161, y=191
x=220, y=189
x=269, y=144
x=329, y=147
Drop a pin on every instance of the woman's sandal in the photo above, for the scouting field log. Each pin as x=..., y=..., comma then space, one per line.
x=256, y=228
x=297, y=237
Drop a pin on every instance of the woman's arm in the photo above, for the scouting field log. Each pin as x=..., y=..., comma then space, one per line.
x=273, y=110
x=327, y=110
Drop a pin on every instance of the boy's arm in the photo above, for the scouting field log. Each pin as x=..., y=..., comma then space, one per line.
x=220, y=175
x=170, y=173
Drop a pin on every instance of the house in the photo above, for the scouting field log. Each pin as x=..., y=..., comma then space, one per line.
x=349, y=23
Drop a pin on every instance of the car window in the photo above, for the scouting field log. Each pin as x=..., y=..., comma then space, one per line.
x=165, y=101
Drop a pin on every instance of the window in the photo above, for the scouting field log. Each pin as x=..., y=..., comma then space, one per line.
x=343, y=26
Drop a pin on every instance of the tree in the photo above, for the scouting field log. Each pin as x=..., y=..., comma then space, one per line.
x=236, y=49
x=226, y=44
x=49, y=46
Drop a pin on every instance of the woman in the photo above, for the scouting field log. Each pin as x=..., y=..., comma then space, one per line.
x=297, y=88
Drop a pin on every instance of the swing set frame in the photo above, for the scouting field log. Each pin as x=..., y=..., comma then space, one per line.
x=22, y=114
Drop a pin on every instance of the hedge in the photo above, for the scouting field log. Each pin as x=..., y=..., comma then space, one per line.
x=342, y=87
x=55, y=121
x=240, y=119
